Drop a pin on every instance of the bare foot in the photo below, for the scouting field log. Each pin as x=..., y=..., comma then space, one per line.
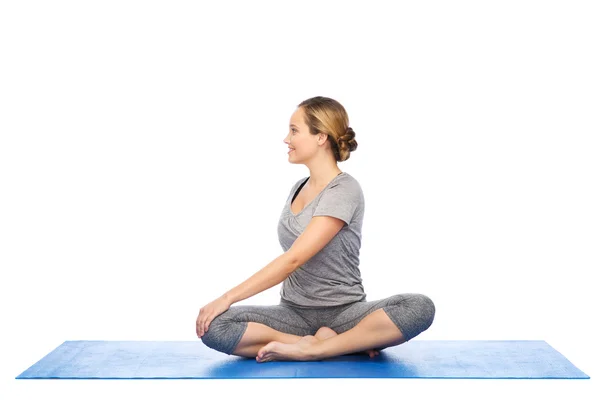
x=325, y=333
x=284, y=351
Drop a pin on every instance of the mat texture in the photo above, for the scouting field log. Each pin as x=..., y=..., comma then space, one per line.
x=472, y=359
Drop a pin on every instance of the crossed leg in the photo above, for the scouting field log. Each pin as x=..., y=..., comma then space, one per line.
x=258, y=335
x=374, y=331
x=364, y=326
x=326, y=333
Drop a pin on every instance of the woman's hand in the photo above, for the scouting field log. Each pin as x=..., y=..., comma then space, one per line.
x=209, y=312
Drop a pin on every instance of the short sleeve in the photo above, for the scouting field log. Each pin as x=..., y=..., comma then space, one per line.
x=339, y=200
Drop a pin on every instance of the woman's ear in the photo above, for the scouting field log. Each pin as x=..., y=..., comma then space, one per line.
x=322, y=138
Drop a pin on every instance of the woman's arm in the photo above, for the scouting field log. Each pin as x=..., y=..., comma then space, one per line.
x=270, y=275
x=318, y=233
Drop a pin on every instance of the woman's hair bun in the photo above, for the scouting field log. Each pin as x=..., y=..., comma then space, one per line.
x=346, y=144
x=349, y=139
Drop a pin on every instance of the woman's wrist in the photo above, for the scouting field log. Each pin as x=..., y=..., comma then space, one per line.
x=228, y=298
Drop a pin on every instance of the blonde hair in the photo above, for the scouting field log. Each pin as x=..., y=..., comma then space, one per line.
x=328, y=116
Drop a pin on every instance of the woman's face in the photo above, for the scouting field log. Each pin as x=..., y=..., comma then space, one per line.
x=301, y=143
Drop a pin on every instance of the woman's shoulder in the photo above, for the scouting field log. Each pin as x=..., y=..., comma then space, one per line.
x=347, y=181
x=345, y=187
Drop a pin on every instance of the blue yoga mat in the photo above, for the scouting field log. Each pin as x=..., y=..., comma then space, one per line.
x=472, y=359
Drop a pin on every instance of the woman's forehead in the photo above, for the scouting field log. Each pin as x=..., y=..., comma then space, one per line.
x=297, y=118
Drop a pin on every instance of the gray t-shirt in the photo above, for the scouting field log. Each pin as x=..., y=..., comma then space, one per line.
x=331, y=277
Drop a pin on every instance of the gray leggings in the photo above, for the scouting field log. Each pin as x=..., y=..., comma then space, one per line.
x=411, y=313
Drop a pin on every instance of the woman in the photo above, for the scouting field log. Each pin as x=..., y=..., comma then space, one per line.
x=323, y=310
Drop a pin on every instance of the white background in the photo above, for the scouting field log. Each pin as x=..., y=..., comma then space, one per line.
x=143, y=171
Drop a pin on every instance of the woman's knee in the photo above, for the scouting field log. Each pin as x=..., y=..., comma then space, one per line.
x=224, y=332
x=416, y=313
x=426, y=309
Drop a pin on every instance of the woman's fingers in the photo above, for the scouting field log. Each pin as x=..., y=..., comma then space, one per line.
x=204, y=321
x=200, y=322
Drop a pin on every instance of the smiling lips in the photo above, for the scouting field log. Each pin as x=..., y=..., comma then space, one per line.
x=290, y=150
